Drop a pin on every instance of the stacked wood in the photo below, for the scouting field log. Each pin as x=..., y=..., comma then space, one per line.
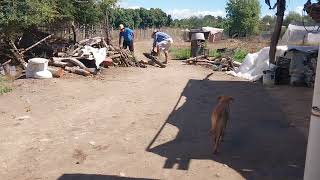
x=71, y=60
x=71, y=65
x=218, y=64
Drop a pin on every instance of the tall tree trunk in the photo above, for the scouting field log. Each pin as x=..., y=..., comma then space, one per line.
x=73, y=28
x=281, y=7
x=107, y=28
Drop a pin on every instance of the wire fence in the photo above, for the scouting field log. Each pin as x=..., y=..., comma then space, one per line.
x=85, y=32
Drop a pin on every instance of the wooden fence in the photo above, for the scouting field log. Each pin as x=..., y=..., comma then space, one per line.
x=85, y=32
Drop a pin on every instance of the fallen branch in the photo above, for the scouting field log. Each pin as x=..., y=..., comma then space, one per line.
x=195, y=58
x=18, y=56
x=115, y=56
x=5, y=63
x=36, y=43
x=60, y=64
x=79, y=71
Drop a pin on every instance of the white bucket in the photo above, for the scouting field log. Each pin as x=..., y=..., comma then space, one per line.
x=268, y=78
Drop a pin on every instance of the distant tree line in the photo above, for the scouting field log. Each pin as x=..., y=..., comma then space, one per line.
x=196, y=22
x=139, y=18
x=17, y=16
x=242, y=16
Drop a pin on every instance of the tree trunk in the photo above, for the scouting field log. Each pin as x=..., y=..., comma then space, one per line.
x=107, y=28
x=281, y=7
x=73, y=28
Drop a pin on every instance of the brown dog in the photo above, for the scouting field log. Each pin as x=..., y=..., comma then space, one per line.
x=219, y=118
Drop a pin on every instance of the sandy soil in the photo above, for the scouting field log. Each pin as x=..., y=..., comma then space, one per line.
x=151, y=124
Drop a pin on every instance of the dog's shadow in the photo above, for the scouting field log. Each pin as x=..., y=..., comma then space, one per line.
x=257, y=137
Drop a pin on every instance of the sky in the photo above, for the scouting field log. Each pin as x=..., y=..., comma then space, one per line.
x=179, y=9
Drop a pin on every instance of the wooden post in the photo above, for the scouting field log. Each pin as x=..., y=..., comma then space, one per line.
x=107, y=27
x=311, y=170
x=73, y=28
x=281, y=7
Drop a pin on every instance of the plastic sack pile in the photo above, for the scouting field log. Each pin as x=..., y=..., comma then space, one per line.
x=254, y=64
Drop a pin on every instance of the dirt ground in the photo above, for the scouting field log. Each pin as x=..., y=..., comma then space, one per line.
x=133, y=123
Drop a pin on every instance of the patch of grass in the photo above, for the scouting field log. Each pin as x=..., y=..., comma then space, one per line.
x=240, y=54
x=214, y=53
x=180, y=53
x=4, y=88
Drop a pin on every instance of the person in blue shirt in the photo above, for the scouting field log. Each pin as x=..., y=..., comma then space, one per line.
x=126, y=34
x=162, y=42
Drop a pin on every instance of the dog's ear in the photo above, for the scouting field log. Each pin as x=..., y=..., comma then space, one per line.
x=219, y=98
x=231, y=99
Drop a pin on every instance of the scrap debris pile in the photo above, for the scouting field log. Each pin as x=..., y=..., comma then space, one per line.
x=223, y=63
x=297, y=68
x=43, y=51
x=90, y=55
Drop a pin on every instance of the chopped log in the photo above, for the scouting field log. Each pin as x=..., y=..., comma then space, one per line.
x=195, y=58
x=60, y=64
x=105, y=44
x=154, y=60
x=76, y=70
x=115, y=56
x=236, y=64
x=36, y=44
x=111, y=48
x=76, y=50
x=56, y=72
x=71, y=60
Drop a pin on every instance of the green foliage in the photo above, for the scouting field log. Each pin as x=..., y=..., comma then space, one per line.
x=181, y=53
x=293, y=17
x=197, y=22
x=140, y=18
x=4, y=88
x=215, y=53
x=243, y=17
x=240, y=54
x=19, y=15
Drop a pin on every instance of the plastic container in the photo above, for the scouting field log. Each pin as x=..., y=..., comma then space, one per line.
x=268, y=78
x=197, y=36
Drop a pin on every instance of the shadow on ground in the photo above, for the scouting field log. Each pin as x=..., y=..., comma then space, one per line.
x=95, y=177
x=259, y=144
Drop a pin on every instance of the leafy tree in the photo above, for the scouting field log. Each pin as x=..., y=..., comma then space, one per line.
x=17, y=15
x=293, y=17
x=267, y=19
x=197, y=22
x=243, y=17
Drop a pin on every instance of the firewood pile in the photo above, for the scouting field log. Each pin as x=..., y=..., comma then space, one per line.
x=90, y=55
x=87, y=57
x=217, y=64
